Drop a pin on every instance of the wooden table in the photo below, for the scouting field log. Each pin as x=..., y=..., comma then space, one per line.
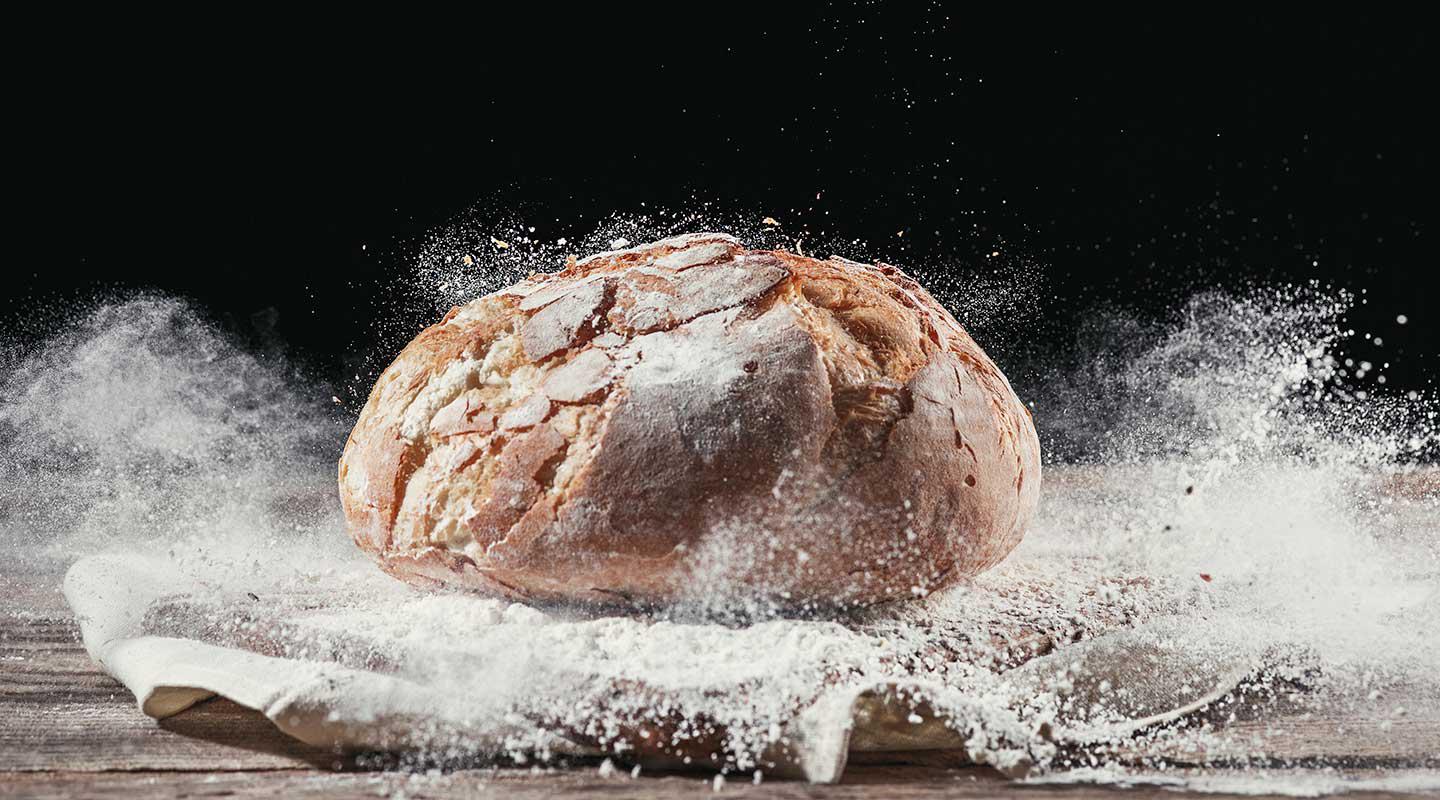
x=70, y=730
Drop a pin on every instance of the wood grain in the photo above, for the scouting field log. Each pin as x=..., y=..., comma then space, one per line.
x=895, y=783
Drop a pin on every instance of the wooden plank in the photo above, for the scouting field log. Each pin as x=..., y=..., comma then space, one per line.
x=897, y=783
x=62, y=712
x=1355, y=741
x=517, y=784
x=71, y=730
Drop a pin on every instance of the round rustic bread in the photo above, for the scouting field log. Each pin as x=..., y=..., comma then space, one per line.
x=691, y=420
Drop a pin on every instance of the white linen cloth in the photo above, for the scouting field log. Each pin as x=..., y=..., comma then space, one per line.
x=355, y=661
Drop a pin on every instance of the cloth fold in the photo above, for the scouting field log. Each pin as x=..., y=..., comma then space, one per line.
x=354, y=661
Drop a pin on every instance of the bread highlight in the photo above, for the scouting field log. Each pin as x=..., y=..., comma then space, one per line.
x=690, y=420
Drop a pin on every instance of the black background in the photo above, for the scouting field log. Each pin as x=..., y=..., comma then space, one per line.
x=286, y=170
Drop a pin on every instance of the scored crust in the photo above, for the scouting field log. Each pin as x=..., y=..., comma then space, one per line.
x=688, y=420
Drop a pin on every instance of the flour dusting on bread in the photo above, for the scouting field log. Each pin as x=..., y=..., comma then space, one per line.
x=593, y=434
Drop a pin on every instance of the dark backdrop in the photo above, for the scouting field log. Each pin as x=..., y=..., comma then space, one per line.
x=284, y=170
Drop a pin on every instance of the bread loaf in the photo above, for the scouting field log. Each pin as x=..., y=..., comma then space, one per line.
x=693, y=420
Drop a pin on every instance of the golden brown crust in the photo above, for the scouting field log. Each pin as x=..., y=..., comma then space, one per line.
x=690, y=419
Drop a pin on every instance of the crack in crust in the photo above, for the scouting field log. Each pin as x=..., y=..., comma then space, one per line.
x=691, y=417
